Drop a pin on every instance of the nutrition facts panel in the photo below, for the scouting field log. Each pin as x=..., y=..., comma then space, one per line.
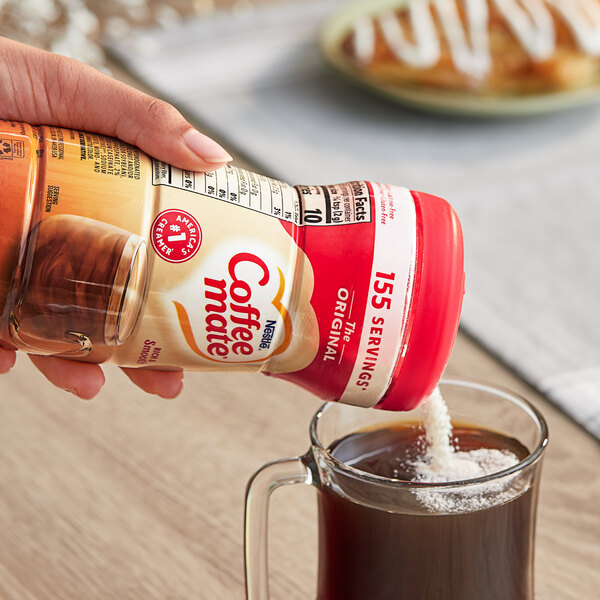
x=341, y=204
x=302, y=205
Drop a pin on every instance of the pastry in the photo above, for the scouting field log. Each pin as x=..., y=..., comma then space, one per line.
x=483, y=46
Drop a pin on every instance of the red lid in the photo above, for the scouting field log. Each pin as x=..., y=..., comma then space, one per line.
x=436, y=304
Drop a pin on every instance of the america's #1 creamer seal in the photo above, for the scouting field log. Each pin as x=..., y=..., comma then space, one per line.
x=175, y=235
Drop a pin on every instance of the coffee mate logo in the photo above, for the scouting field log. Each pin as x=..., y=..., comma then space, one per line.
x=243, y=318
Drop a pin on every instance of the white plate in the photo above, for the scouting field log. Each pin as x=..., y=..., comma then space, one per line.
x=433, y=99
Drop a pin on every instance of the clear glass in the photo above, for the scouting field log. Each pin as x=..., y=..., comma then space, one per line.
x=382, y=538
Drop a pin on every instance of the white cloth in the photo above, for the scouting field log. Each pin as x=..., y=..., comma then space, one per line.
x=527, y=191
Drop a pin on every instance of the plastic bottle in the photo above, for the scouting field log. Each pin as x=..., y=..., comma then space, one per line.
x=352, y=291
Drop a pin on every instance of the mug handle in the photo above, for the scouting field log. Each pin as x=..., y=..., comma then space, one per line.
x=258, y=492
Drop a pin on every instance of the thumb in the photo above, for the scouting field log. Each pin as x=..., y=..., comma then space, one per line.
x=55, y=90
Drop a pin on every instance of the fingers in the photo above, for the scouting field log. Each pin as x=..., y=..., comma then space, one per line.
x=7, y=360
x=45, y=88
x=166, y=384
x=107, y=106
x=84, y=380
x=159, y=130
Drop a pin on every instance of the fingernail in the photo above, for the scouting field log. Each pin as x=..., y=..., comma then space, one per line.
x=176, y=389
x=81, y=396
x=172, y=390
x=207, y=149
x=7, y=360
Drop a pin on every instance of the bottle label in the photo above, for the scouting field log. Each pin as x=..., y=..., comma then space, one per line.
x=143, y=264
x=320, y=205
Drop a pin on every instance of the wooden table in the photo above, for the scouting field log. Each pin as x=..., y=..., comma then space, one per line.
x=131, y=497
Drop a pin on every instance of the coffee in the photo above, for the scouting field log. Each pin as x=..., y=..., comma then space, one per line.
x=428, y=550
x=80, y=286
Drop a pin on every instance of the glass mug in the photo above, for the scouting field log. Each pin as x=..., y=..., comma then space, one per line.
x=383, y=538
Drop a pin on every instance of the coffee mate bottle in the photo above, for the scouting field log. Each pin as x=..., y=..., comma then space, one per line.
x=352, y=291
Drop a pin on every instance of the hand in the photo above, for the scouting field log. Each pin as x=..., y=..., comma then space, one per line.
x=42, y=88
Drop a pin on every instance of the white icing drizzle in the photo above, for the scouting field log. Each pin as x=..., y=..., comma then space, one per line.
x=583, y=19
x=364, y=39
x=530, y=21
x=425, y=52
x=473, y=58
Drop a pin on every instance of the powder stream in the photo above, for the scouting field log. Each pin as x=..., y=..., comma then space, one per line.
x=442, y=462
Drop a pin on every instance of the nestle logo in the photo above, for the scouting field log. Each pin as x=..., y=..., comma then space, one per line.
x=268, y=333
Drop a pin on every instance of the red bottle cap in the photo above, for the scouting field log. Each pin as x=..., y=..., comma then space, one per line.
x=436, y=305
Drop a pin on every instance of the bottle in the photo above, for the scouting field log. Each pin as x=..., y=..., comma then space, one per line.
x=352, y=291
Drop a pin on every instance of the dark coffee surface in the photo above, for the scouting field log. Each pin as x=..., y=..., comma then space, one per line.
x=369, y=554
x=391, y=452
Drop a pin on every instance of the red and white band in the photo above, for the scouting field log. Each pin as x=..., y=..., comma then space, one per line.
x=383, y=335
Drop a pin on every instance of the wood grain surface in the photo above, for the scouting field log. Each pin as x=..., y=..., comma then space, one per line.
x=134, y=497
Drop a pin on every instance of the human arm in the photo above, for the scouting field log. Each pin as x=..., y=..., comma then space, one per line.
x=39, y=87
